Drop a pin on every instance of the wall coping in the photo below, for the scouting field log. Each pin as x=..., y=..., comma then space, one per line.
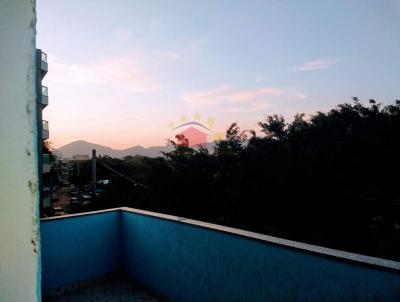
x=310, y=248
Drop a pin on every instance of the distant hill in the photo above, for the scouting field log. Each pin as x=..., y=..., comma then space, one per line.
x=82, y=147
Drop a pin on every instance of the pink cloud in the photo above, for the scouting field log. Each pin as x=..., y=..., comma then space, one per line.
x=120, y=73
x=257, y=99
x=209, y=97
x=227, y=93
x=122, y=34
x=174, y=56
x=315, y=65
x=249, y=95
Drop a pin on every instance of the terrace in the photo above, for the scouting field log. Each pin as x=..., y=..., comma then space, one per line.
x=42, y=62
x=126, y=254
x=45, y=129
x=46, y=163
x=44, y=96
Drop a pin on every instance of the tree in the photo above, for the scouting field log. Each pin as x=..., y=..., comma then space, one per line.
x=326, y=179
x=274, y=126
x=181, y=148
x=233, y=143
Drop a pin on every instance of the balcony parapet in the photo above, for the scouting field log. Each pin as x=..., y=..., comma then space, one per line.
x=46, y=163
x=45, y=130
x=46, y=202
x=314, y=249
x=42, y=62
x=209, y=262
x=46, y=168
x=44, y=97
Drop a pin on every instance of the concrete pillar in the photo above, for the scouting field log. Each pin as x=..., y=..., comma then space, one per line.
x=19, y=195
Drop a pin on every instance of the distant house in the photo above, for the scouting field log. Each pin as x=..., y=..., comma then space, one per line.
x=195, y=136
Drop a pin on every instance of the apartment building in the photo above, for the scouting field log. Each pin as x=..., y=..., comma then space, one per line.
x=42, y=100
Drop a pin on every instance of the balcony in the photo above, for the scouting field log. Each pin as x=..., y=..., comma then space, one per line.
x=124, y=251
x=46, y=202
x=46, y=163
x=44, y=97
x=45, y=129
x=42, y=62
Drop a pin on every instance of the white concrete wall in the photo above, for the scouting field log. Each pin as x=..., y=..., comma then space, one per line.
x=19, y=234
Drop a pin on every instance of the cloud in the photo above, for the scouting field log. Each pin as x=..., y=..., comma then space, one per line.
x=199, y=43
x=122, y=34
x=209, y=97
x=123, y=73
x=315, y=65
x=254, y=94
x=227, y=93
x=260, y=78
x=174, y=56
x=128, y=118
x=233, y=99
x=252, y=107
x=300, y=95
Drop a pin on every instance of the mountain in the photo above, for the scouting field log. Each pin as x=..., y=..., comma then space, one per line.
x=82, y=147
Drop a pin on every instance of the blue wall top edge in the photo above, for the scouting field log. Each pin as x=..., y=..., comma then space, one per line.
x=360, y=259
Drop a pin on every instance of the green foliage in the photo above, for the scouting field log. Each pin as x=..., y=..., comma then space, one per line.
x=181, y=148
x=330, y=179
x=234, y=142
x=274, y=126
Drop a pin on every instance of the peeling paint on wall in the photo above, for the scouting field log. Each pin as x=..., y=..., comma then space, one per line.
x=32, y=187
x=19, y=196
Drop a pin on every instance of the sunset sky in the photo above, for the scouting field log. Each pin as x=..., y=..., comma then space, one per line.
x=121, y=73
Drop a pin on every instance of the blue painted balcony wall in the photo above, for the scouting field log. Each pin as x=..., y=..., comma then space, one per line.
x=185, y=260
x=190, y=263
x=80, y=248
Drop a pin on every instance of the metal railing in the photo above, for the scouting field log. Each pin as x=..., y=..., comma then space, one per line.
x=45, y=125
x=46, y=159
x=45, y=91
x=43, y=57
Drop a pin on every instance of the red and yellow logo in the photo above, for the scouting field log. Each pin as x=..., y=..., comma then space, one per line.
x=197, y=133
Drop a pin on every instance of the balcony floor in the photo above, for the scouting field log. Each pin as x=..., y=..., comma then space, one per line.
x=110, y=291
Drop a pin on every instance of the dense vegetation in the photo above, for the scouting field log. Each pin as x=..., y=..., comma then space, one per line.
x=332, y=179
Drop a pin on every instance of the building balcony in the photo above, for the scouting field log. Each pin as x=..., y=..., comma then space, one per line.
x=46, y=202
x=44, y=97
x=46, y=163
x=45, y=129
x=46, y=168
x=130, y=253
x=42, y=62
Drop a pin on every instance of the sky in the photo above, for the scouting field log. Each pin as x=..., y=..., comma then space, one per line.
x=124, y=73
